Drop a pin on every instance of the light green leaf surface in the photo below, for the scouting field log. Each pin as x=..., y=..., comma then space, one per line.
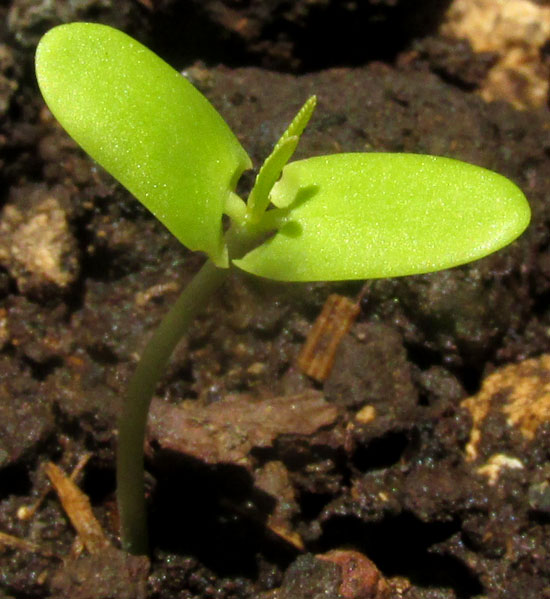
x=359, y=216
x=146, y=125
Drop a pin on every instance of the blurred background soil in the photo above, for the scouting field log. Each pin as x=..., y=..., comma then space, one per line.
x=420, y=467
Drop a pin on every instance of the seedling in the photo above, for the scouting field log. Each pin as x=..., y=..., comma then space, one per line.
x=336, y=217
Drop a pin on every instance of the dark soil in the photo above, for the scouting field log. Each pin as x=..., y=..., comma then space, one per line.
x=379, y=459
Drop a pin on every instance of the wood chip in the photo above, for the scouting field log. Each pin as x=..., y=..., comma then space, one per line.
x=317, y=356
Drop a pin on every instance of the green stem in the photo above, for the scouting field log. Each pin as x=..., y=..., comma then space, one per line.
x=131, y=432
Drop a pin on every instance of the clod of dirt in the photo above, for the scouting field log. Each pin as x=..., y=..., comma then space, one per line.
x=28, y=20
x=517, y=398
x=539, y=494
x=111, y=574
x=516, y=30
x=371, y=374
x=361, y=579
x=36, y=244
x=40, y=336
x=308, y=578
x=26, y=419
x=8, y=85
x=454, y=60
x=4, y=332
x=292, y=35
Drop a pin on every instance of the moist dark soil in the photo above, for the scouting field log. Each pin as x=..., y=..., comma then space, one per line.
x=287, y=485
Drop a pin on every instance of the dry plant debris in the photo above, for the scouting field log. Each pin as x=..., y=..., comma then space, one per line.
x=106, y=572
x=13, y=542
x=317, y=356
x=28, y=512
x=77, y=507
x=274, y=479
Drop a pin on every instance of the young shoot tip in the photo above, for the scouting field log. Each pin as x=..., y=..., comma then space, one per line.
x=271, y=169
x=300, y=121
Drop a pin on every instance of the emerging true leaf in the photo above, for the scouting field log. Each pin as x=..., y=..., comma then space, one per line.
x=359, y=216
x=300, y=121
x=270, y=171
x=147, y=125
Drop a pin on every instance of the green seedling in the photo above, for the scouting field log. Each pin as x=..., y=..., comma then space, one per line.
x=336, y=217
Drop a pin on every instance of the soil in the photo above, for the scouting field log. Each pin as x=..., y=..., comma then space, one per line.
x=419, y=468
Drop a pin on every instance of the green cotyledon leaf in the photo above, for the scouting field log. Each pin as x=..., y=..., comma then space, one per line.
x=145, y=124
x=360, y=216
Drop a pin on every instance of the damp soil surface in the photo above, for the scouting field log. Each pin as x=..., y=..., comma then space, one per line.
x=419, y=468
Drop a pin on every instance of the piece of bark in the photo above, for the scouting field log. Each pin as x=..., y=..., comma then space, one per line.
x=226, y=431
